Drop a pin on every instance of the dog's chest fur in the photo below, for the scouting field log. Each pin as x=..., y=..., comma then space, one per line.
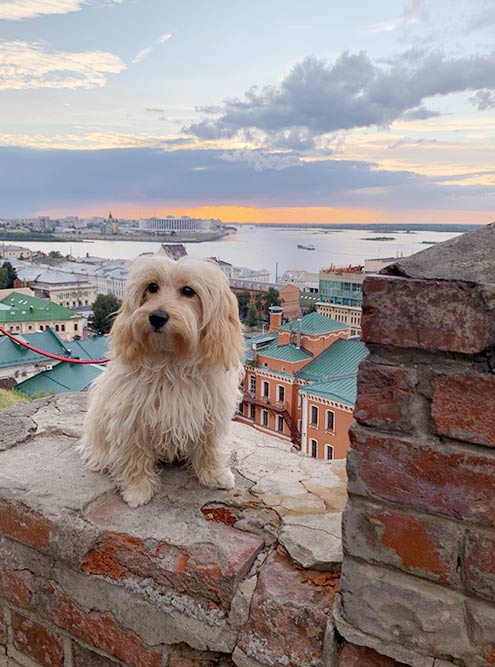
x=171, y=408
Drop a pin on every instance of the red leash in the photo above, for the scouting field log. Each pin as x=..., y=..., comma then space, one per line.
x=49, y=355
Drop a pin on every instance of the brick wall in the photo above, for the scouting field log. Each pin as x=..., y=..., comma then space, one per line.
x=418, y=579
x=197, y=578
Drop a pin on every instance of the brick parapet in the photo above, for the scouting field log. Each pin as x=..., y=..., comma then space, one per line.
x=197, y=578
x=418, y=578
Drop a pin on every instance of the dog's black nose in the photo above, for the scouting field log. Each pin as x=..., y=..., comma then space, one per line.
x=158, y=318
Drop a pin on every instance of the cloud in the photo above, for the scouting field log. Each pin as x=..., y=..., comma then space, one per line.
x=18, y=10
x=483, y=100
x=27, y=66
x=78, y=179
x=318, y=97
x=144, y=53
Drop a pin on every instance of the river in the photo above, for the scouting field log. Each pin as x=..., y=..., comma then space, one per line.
x=263, y=247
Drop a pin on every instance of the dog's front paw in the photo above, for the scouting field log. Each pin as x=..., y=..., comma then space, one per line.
x=223, y=479
x=138, y=494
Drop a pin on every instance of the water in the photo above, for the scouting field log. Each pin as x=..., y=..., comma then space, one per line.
x=262, y=247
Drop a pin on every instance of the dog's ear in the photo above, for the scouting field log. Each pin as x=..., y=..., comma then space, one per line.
x=222, y=342
x=124, y=345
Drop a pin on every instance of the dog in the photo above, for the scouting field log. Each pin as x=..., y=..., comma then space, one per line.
x=172, y=385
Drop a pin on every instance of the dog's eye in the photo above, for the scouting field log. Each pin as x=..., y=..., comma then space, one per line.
x=187, y=291
x=153, y=287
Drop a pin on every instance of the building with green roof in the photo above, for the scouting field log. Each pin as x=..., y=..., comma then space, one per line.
x=24, y=314
x=17, y=362
x=61, y=378
x=301, y=383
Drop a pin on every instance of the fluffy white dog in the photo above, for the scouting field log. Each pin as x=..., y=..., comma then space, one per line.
x=172, y=385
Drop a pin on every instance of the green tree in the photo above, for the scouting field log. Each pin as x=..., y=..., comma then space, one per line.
x=243, y=299
x=7, y=275
x=104, y=309
x=272, y=297
x=55, y=254
x=252, y=318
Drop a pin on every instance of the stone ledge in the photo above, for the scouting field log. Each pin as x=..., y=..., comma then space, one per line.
x=196, y=567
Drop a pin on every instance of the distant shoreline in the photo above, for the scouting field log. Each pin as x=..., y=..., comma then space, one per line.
x=81, y=238
x=399, y=227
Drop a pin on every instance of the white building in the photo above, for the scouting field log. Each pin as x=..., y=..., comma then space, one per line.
x=173, y=224
x=14, y=252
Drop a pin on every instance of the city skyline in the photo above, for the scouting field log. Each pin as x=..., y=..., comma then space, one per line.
x=267, y=112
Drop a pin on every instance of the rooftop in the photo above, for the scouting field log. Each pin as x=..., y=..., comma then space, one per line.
x=24, y=308
x=342, y=390
x=341, y=358
x=314, y=324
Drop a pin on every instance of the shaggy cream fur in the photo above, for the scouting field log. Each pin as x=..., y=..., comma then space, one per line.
x=172, y=385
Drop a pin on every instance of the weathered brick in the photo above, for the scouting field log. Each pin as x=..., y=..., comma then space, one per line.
x=425, y=314
x=207, y=572
x=413, y=614
x=361, y=656
x=97, y=628
x=464, y=405
x=479, y=564
x=3, y=626
x=83, y=657
x=385, y=397
x=24, y=524
x=16, y=587
x=183, y=656
x=289, y=613
x=481, y=617
x=419, y=544
x=423, y=475
x=35, y=641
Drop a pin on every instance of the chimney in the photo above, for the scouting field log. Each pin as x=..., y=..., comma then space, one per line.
x=275, y=317
x=298, y=340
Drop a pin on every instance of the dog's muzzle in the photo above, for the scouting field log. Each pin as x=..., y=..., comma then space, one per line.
x=158, y=318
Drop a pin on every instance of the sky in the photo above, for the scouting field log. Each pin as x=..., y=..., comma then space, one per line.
x=259, y=111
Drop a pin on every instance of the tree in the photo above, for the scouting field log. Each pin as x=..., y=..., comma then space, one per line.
x=7, y=275
x=272, y=297
x=104, y=308
x=243, y=299
x=252, y=318
x=55, y=254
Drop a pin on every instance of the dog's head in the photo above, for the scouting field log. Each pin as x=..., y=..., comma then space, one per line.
x=178, y=308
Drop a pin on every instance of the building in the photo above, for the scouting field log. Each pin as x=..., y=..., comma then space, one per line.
x=14, y=252
x=289, y=295
x=110, y=226
x=61, y=378
x=22, y=314
x=300, y=383
x=307, y=281
x=19, y=363
x=251, y=275
x=173, y=250
x=226, y=267
x=171, y=223
x=348, y=315
x=60, y=287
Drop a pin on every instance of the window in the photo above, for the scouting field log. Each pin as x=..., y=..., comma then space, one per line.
x=252, y=411
x=280, y=424
x=329, y=452
x=63, y=327
x=75, y=326
x=330, y=421
x=280, y=393
x=313, y=445
x=266, y=389
x=264, y=417
x=30, y=328
x=314, y=416
x=252, y=384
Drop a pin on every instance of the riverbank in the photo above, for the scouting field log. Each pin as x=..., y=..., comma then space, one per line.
x=81, y=237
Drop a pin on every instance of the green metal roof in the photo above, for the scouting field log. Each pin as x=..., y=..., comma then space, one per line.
x=314, y=324
x=343, y=390
x=285, y=353
x=23, y=308
x=263, y=344
x=61, y=378
x=13, y=354
x=341, y=358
